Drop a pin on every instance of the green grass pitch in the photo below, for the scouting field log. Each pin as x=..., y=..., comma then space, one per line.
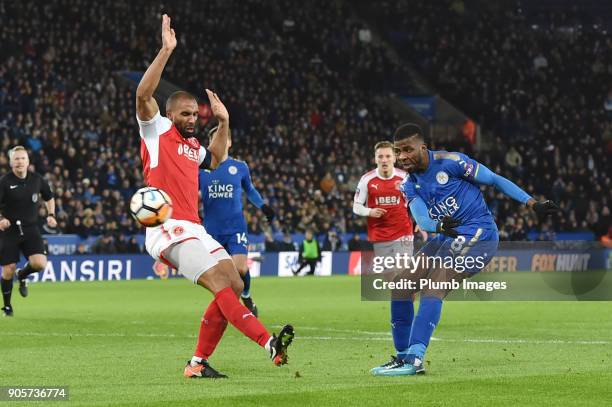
x=125, y=343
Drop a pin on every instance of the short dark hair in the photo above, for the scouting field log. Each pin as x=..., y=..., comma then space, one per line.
x=213, y=131
x=408, y=130
x=179, y=94
x=383, y=144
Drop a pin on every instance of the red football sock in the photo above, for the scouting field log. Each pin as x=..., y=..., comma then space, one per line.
x=211, y=330
x=239, y=316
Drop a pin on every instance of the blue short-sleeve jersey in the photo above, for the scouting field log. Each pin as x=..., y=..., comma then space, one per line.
x=448, y=187
x=221, y=191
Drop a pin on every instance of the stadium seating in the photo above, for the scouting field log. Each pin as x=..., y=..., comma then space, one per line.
x=308, y=99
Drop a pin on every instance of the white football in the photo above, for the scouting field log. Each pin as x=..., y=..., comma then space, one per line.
x=151, y=206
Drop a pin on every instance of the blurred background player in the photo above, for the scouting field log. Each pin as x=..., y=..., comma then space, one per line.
x=378, y=197
x=171, y=156
x=19, y=192
x=221, y=191
x=310, y=254
x=443, y=192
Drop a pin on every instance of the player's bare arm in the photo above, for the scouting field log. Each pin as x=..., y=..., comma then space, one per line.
x=50, y=206
x=218, y=144
x=146, y=106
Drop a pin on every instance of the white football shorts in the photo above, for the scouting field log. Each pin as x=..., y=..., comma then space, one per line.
x=172, y=232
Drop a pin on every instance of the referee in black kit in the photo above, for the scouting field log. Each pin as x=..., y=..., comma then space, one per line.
x=19, y=193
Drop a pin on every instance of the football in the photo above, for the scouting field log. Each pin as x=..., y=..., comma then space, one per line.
x=151, y=206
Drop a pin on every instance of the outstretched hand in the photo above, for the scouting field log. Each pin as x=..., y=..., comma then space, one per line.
x=218, y=108
x=268, y=212
x=447, y=226
x=545, y=208
x=168, y=35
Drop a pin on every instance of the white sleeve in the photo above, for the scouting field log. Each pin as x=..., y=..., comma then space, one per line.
x=361, y=194
x=360, y=209
x=150, y=130
x=361, y=197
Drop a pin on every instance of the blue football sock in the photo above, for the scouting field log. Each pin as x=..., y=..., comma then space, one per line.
x=425, y=322
x=402, y=313
x=246, y=292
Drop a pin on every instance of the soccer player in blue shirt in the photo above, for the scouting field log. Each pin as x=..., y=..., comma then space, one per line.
x=443, y=193
x=221, y=191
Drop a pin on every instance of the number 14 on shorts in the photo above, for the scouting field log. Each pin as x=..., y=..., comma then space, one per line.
x=241, y=238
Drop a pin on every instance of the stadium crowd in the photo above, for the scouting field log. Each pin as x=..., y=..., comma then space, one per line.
x=306, y=88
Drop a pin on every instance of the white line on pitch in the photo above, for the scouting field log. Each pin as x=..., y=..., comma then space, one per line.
x=525, y=341
x=346, y=331
x=306, y=337
x=141, y=335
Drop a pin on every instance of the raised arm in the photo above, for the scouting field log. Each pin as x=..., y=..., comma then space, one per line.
x=146, y=106
x=218, y=144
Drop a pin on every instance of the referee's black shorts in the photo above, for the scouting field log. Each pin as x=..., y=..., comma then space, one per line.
x=12, y=242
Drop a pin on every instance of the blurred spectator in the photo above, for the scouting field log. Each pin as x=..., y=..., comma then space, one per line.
x=81, y=250
x=332, y=242
x=608, y=104
x=270, y=244
x=121, y=243
x=287, y=244
x=606, y=239
x=133, y=246
x=514, y=161
x=104, y=245
x=356, y=244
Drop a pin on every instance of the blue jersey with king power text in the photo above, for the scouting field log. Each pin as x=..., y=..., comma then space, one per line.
x=221, y=191
x=448, y=187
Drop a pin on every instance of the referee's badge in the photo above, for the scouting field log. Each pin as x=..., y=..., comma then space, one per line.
x=34, y=198
x=232, y=170
x=442, y=177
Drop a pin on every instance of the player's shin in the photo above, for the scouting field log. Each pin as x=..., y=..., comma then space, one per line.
x=424, y=323
x=246, y=279
x=212, y=327
x=239, y=316
x=402, y=313
x=7, y=289
x=26, y=271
